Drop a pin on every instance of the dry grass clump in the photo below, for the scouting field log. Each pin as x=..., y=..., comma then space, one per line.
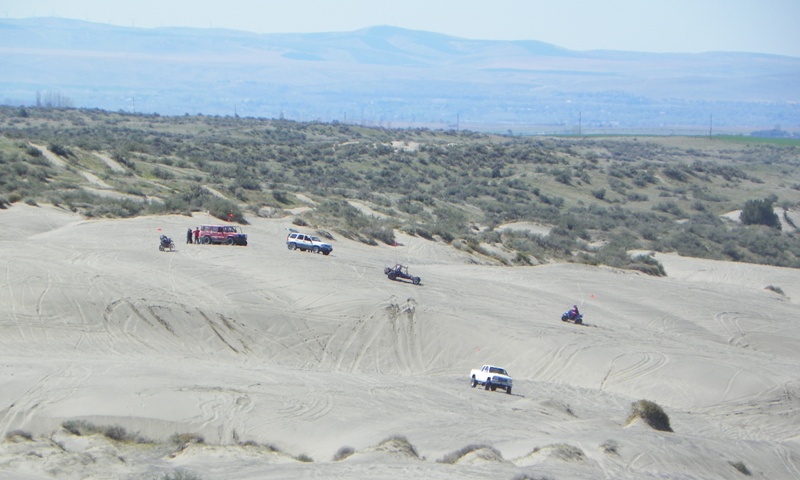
x=400, y=444
x=343, y=453
x=530, y=476
x=304, y=458
x=17, y=435
x=651, y=413
x=453, y=457
x=741, y=467
x=775, y=289
x=563, y=451
x=610, y=447
x=181, y=475
x=113, y=432
x=186, y=438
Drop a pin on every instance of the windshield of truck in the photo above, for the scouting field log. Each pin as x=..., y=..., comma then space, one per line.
x=497, y=370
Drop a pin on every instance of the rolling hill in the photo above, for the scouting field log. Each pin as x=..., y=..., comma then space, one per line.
x=389, y=76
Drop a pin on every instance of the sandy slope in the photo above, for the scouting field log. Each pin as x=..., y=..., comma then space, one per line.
x=311, y=353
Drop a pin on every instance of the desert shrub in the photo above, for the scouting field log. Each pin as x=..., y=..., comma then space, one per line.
x=741, y=467
x=325, y=234
x=181, y=475
x=79, y=427
x=676, y=173
x=651, y=413
x=647, y=264
x=453, y=457
x=248, y=183
x=599, y=194
x=33, y=151
x=563, y=451
x=304, y=458
x=343, y=453
x=530, y=476
x=610, y=447
x=562, y=176
x=224, y=209
x=384, y=233
x=115, y=208
x=116, y=432
x=281, y=196
x=760, y=212
x=59, y=150
x=636, y=197
x=402, y=442
x=112, y=432
x=184, y=438
x=669, y=207
x=409, y=206
x=162, y=173
x=642, y=178
x=17, y=434
x=775, y=289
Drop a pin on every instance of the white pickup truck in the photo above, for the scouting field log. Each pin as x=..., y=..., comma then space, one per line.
x=491, y=377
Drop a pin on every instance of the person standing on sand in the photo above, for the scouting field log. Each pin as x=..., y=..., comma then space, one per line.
x=189, y=235
x=197, y=235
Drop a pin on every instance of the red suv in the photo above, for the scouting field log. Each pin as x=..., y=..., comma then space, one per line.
x=227, y=234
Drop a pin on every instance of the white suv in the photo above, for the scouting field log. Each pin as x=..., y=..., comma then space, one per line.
x=310, y=243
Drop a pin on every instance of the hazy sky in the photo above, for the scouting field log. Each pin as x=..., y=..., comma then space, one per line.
x=766, y=26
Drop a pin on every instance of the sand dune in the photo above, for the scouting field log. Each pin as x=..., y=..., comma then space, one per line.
x=306, y=354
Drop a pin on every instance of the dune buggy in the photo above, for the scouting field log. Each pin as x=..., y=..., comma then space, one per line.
x=400, y=271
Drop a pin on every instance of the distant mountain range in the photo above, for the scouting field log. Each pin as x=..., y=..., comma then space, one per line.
x=392, y=77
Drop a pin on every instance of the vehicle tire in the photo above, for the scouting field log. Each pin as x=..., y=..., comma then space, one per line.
x=161, y=248
x=172, y=246
x=415, y=280
x=326, y=253
x=488, y=385
x=315, y=249
x=508, y=390
x=578, y=321
x=392, y=276
x=205, y=240
x=229, y=241
x=473, y=383
x=494, y=388
x=292, y=246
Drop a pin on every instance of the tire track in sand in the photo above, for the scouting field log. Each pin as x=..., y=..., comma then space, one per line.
x=643, y=364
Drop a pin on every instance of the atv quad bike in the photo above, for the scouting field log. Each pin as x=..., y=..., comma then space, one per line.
x=571, y=317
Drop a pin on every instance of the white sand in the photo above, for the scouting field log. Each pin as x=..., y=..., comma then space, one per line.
x=310, y=354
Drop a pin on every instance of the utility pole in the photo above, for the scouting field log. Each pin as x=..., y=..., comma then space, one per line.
x=710, y=124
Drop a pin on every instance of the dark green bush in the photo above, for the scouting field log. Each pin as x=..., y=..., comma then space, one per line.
x=651, y=413
x=760, y=212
